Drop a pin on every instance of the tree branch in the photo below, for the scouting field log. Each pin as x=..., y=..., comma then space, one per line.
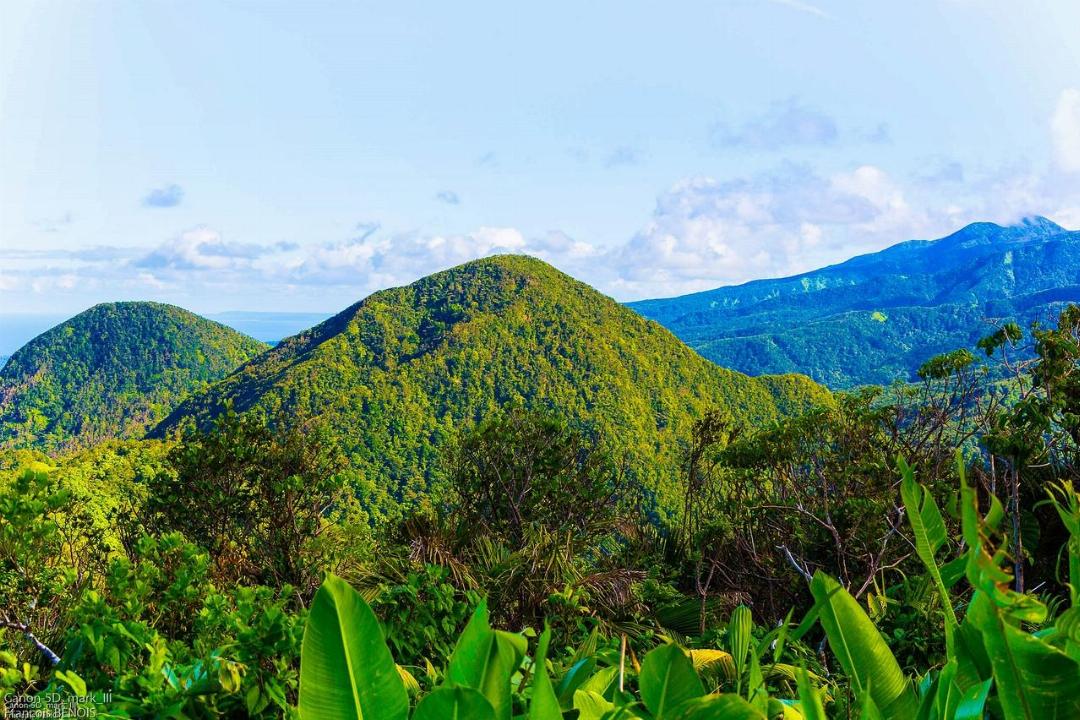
x=52, y=657
x=801, y=569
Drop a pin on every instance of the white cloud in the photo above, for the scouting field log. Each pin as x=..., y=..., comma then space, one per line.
x=1065, y=130
x=373, y=260
x=703, y=232
x=706, y=233
x=203, y=249
x=150, y=281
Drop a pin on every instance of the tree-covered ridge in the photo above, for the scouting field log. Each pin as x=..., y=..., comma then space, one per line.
x=876, y=318
x=112, y=372
x=400, y=374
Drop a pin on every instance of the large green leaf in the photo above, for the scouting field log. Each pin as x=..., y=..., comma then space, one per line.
x=591, y=705
x=667, y=679
x=715, y=707
x=809, y=697
x=947, y=693
x=484, y=659
x=928, y=527
x=1067, y=503
x=973, y=703
x=454, y=703
x=740, y=626
x=543, y=705
x=1035, y=681
x=869, y=710
x=862, y=651
x=578, y=673
x=756, y=692
x=600, y=681
x=346, y=671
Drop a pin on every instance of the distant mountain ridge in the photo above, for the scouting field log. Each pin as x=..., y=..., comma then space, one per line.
x=875, y=318
x=398, y=375
x=111, y=372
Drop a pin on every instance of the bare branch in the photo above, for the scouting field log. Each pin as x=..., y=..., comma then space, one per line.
x=52, y=657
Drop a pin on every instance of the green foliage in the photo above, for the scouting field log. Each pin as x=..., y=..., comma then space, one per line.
x=942, y=366
x=454, y=703
x=398, y=374
x=48, y=556
x=423, y=614
x=524, y=469
x=180, y=578
x=930, y=533
x=861, y=651
x=485, y=659
x=348, y=671
x=536, y=522
x=345, y=663
x=112, y=371
x=543, y=705
x=141, y=625
x=161, y=638
x=878, y=318
x=255, y=497
x=667, y=680
x=993, y=662
x=807, y=492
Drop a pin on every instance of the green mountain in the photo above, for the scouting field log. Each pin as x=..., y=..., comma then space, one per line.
x=112, y=371
x=876, y=318
x=399, y=374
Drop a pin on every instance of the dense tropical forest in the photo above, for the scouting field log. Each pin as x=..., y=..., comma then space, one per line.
x=496, y=493
x=112, y=371
x=877, y=318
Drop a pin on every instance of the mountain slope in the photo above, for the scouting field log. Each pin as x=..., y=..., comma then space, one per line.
x=112, y=371
x=877, y=317
x=397, y=375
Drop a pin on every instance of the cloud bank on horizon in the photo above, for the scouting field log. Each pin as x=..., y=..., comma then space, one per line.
x=671, y=177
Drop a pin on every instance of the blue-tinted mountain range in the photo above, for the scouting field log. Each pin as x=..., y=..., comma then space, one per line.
x=876, y=318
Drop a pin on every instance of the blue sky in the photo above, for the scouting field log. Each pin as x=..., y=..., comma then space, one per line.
x=297, y=156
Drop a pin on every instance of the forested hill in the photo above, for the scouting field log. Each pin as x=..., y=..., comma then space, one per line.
x=877, y=317
x=112, y=371
x=399, y=374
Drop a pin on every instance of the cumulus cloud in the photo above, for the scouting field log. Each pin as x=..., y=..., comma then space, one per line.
x=372, y=259
x=705, y=232
x=1065, y=130
x=202, y=249
x=702, y=233
x=164, y=197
